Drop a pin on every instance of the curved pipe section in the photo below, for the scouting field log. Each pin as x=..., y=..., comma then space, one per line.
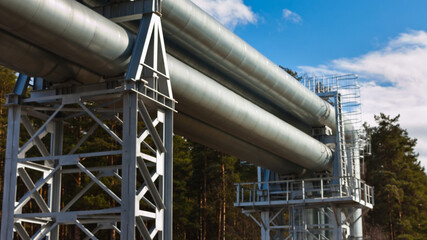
x=204, y=99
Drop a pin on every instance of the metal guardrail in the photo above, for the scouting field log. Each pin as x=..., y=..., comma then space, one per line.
x=307, y=190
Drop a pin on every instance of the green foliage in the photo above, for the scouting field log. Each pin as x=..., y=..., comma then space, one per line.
x=204, y=194
x=292, y=73
x=399, y=180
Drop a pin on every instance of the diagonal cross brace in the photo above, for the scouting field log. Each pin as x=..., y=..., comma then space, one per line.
x=41, y=128
x=149, y=124
x=105, y=127
x=37, y=140
x=150, y=184
x=30, y=185
x=38, y=185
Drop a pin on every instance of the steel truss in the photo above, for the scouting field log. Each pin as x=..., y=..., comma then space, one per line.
x=320, y=208
x=138, y=182
x=303, y=222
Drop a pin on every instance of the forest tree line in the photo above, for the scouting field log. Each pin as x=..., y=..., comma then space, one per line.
x=204, y=190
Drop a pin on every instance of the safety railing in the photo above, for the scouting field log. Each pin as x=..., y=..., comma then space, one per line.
x=307, y=190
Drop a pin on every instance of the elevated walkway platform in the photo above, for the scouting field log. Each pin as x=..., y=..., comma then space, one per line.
x=342, y=191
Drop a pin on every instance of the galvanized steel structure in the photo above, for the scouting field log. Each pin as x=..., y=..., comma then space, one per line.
x=327, y=205
x=118, y=69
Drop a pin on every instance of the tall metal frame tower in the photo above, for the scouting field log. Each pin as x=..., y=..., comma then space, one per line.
x=324, y=205
x=139, y=183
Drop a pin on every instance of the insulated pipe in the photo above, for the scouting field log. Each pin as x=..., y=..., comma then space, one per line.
x=219, y=140
x=23, y=57
x=71, y=30
x=195, y=106
x=80, y=35
x=190, y=27
x=207, y=70
x=205, y=99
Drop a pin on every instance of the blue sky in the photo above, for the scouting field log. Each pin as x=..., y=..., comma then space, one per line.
x=384, y=42
x=328, y=29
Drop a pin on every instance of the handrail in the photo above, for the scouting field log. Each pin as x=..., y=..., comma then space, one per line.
x=314, y=189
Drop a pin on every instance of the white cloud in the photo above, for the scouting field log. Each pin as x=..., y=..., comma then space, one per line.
x=291, y=16
x=319, y=70
x=395, y=83
x=228, y=12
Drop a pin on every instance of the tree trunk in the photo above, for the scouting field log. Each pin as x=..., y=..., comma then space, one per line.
x=223, y=200
x=219, y=220
x=205, y=197
x=203, y=200
x=390, y=219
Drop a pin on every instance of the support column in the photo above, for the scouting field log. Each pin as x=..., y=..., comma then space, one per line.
x=265, y=229
x=11, y=162
x=55, y=188
x=168, y=177
x=357, y=226
x=129, y=148
x=337, y=223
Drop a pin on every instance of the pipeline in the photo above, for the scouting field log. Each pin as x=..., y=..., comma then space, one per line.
x=83, y=40
x=85, y=33
x=208, y=136
x=190, y=27
x=203, y=98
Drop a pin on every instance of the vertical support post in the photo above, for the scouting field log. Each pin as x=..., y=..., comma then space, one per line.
x=265, y=228
x=55, y=189
x=338, y=223
x=357, y=226
x=322, y=221
x=309, y=214
x=168, y=176
x=129, y=153
x=149, y=51
x=11, y=163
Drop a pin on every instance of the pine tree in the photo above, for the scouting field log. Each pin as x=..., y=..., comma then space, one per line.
x=204, y=193
x=399, y=180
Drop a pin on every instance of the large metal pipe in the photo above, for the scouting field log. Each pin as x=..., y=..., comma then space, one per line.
x=267, y=131
x=192, y=28
x=71, y=30
x=104, y=47
x=224, y=80
x=217, y=139
x=24, y=57
x=204, y=99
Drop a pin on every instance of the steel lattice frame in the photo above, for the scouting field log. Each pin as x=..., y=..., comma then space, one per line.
x=286, y=216
x=141, y=105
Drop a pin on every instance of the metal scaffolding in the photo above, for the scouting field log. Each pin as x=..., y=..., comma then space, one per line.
x=138, y=182
x=329, y=205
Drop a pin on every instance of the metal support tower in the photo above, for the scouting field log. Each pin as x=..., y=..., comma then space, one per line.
x=326, y=205
x=135, y=174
